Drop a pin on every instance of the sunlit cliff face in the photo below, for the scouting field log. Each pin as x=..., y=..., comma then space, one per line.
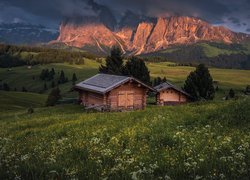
x=146, y=37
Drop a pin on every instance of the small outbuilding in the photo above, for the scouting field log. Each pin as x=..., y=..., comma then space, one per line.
x=168, y=94
x=113, y=92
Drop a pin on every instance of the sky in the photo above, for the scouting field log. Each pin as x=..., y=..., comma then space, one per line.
x=234, y=14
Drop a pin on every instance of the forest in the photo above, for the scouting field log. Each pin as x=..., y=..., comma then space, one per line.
x=12, y=56
x=195, y=54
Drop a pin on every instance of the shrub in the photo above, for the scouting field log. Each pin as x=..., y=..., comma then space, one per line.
x=53, y=97
x=30, y=110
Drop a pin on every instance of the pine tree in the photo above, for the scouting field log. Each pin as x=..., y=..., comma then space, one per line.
x=137, y=68
x=62, y=78
x=43, y=74
x=51, y=74
x=53, y=71
x=231, y=93
x=45, y=87
x=199, y=84
x=6, y=87
x=74, y=78
x=164, y=79
x=24, y=89
x=53, y=97
x=52, y=84
x=114, y=63
x=247, y=91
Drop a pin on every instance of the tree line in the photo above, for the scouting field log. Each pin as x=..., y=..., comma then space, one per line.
x=133, y=67
x=195, y=55
x=12, y=56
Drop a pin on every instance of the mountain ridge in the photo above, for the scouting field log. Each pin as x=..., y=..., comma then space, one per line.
x=147, y=36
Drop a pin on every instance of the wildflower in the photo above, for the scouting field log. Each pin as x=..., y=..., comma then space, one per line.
x=197, y=177
x=167, y=177
x=201, y=160
x=127, y=151
x=95, y=140
x=222, y=176
x=134, y=175
x=24, y=157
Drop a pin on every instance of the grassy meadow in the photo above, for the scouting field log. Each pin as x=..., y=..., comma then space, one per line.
x=204, y=140
x=208, y=140
x=19, y=77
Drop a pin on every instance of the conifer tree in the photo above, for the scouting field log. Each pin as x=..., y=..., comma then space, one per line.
x=45, y=87
x=62, y=78
x=199, y=84
x=53, y=97
x=231, y=93
x=74, y=78
x=52, y=84
x=114, y=62
x=137, y=68
x=24, y=89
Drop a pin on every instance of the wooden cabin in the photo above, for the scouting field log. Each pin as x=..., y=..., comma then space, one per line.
x=112, y=92
x=168, y=94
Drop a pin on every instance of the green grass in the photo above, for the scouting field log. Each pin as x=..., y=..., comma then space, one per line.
x=20, y=100
x=22, y=76
x=207, y=140
x=226, y=78
x=201, y=140
x=210, y=50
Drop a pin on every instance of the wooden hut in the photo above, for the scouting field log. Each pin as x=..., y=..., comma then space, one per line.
x=112, y=92
x=168, y=94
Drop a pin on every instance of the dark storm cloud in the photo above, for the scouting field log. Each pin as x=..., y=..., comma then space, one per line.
x=228, y=12
x=234, y=20
x=211, y=10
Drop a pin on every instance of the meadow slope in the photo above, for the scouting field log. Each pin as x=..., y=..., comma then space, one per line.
x=201, y=140
x=20, y=77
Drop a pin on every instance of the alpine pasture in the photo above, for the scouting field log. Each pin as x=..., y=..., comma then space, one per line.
x=203, y=140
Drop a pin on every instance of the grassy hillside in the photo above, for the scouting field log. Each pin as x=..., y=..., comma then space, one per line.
x=210, y=53
x=20, y=77
x=202, y=140
x=214, y=49
x=20, y=100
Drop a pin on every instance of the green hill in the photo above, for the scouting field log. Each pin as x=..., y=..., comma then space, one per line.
x=19, y=77
x=207, y=140
x=20, y=100
x=210, y=53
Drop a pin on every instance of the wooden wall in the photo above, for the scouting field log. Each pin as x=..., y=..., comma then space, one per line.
x=171, y=96
x=127, y=96
x=90, y=98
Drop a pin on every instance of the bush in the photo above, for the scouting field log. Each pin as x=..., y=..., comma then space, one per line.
x=53, y=97
x=30, y=110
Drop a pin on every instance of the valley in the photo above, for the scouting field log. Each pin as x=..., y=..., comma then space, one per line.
x=131, y=90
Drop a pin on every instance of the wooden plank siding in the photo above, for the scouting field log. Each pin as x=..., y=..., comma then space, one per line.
x=170, y=96
x=127, y=96
x=130, y=95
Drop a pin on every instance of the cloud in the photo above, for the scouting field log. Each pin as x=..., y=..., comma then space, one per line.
x=214, y=11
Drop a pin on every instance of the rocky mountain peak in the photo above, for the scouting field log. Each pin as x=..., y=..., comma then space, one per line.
x=147, y=35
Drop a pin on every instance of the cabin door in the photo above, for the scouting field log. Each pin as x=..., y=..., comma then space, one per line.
x=126, y=99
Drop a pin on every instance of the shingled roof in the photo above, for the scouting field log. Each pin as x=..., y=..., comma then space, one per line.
x=102, y=83
x=168, y=85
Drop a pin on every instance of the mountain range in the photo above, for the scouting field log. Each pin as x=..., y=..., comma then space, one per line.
x=139, y=35
x=28, y=34
x=134, y=34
